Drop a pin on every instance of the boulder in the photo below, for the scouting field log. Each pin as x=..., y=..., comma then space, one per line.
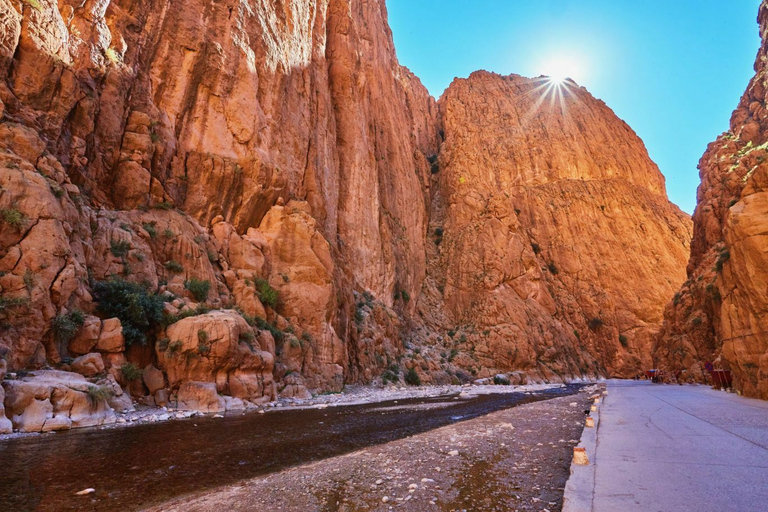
x=161, y=397
x=111, y=338
x=153, y=379
x=88, y=365
x=218, y=347
x=200, y=397
x=293, y=387
x=53, y=400
x=87, y=336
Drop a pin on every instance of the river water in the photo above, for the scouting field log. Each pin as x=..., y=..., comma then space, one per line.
x=135, y=467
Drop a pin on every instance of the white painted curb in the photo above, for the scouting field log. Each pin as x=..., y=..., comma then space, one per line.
x=579, y=490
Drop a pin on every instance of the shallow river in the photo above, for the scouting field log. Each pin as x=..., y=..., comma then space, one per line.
x=132, y=468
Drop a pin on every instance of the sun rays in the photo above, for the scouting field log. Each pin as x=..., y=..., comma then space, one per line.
x=553, y=96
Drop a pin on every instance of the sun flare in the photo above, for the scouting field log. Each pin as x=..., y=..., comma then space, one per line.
x=559, y=69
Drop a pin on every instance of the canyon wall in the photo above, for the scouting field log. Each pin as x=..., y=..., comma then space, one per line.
x=249, y=194
x=236, y=145
x=555, y=247
x=720, y=315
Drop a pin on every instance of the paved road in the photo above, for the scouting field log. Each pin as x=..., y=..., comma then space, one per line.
x=680, y=448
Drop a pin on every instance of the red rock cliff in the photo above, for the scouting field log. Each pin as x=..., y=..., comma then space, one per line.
x=555, y=245
x=270, y=171
x=291, y=143
x=720, y=315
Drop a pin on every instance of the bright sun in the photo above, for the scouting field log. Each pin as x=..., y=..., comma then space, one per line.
x=560, y=68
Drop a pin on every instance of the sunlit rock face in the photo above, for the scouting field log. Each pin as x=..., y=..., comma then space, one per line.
x=273, y=160
x=720, y=315
x=226, y=142
x=555, y=247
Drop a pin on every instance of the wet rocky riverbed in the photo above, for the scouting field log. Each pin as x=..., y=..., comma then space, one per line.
x=145, y=465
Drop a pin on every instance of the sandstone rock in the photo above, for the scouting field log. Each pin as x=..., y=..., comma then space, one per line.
x=293, y=387
x=6, y=427
x=88, y=365
x=49, y=400
x=153, y=379
x=214, y=348
x=200, y=397
x=87, y=336
x=111, y=338
x=161, y=397
x=518, y=221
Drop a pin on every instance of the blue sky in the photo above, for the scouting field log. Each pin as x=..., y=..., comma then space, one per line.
x=673, y=69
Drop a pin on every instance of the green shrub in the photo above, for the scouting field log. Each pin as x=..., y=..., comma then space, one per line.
x=168, y=233
x=412, y=378
x=165, y=205
x=198, y=288
x=276, y=333
x=623, y=340
x=203, y=349
x=202, y=336
x=247, y=338
x=65, y=326
x=389, y=376
x=140, y=312
x=162, y=344
x=99, y=394
x=131, y=372
x=12, y=302
x=119, y=248
x=174, y=266
x=405, y=296
x=724, y=256
x=150, y=228
x=268, y=295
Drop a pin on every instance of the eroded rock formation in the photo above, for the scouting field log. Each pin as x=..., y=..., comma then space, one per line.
x=555, y=246
x=720, y=315
x=243, y=198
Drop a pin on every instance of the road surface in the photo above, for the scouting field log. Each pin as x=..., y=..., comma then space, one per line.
x=676, y=448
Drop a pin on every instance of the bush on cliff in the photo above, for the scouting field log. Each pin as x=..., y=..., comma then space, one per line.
x=412, y=378
x=198, y=288
x=266, y=293
x=65, y=326
x=139, y=310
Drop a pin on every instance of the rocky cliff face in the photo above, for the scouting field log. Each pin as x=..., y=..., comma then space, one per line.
x=239, y=146
x=168, y=170
x=720, y=315
x=555, y=247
